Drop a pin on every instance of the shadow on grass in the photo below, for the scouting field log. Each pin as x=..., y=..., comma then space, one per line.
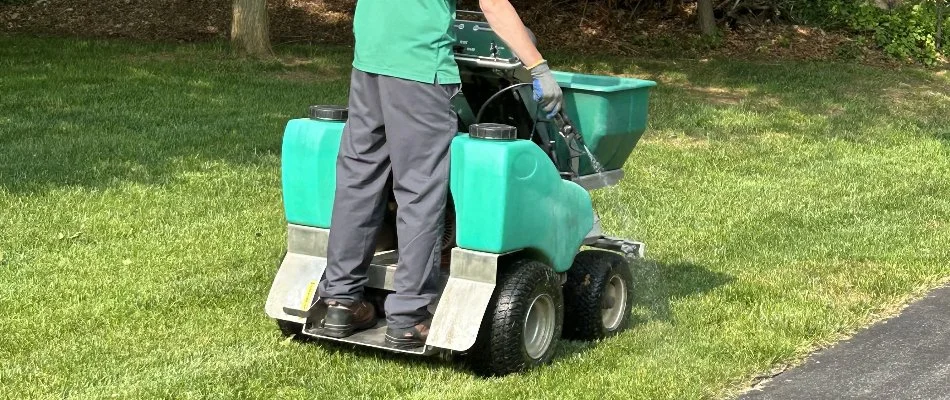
x=93, y=114
x=453, y=362
x=944, y=136
x=656, y=285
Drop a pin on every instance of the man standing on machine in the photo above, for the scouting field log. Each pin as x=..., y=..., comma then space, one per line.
x=401, y=123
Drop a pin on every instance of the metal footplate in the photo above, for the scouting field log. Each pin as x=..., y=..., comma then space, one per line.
x=373, y=337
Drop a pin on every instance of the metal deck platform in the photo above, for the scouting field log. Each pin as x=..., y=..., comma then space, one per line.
x=373, y=337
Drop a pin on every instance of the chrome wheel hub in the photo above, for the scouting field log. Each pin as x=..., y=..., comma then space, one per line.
x=615, y=298
x=539, y=326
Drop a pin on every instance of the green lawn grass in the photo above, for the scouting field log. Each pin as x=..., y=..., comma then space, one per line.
x=784, y=206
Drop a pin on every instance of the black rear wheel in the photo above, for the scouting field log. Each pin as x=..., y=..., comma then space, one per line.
x=523, y=322
x=598, y=296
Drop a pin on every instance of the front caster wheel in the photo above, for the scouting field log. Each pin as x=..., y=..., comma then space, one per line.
x=598, y=296
x=523, y=323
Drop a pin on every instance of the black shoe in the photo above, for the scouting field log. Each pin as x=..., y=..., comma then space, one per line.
x=408, y=338
x=345, y=318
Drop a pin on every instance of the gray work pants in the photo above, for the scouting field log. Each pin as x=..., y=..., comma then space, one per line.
x=404, y=128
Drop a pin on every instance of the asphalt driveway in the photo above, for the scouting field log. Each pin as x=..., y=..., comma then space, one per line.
x=905, y=357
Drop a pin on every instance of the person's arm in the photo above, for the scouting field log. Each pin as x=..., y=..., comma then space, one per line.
x=506, y=23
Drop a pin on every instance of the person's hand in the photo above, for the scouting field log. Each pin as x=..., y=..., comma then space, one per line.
x=546, y=90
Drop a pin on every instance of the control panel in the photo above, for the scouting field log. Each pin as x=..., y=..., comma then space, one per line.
x=477, y=39
x=478, y=45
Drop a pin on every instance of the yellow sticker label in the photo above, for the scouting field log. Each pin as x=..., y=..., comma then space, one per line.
x=308, y=295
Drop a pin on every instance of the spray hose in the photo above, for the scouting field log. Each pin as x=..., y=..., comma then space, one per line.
x=572, y=138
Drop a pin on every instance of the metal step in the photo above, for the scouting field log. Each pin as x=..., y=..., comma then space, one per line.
x=373, y=337
x=382, y=270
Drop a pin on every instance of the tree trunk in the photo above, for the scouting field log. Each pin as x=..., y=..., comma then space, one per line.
x=250, y=28
x=941, y=4
x=707, y=21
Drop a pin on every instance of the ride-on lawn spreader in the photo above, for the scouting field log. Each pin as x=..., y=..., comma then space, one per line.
x=514, y=279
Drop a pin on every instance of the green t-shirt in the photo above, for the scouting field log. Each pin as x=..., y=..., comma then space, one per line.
x=408, y=39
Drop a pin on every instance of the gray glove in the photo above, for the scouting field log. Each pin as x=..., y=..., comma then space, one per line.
x=546, y=90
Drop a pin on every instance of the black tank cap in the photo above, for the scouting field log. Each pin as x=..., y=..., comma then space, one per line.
x=329, y=113
x=493, y=131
